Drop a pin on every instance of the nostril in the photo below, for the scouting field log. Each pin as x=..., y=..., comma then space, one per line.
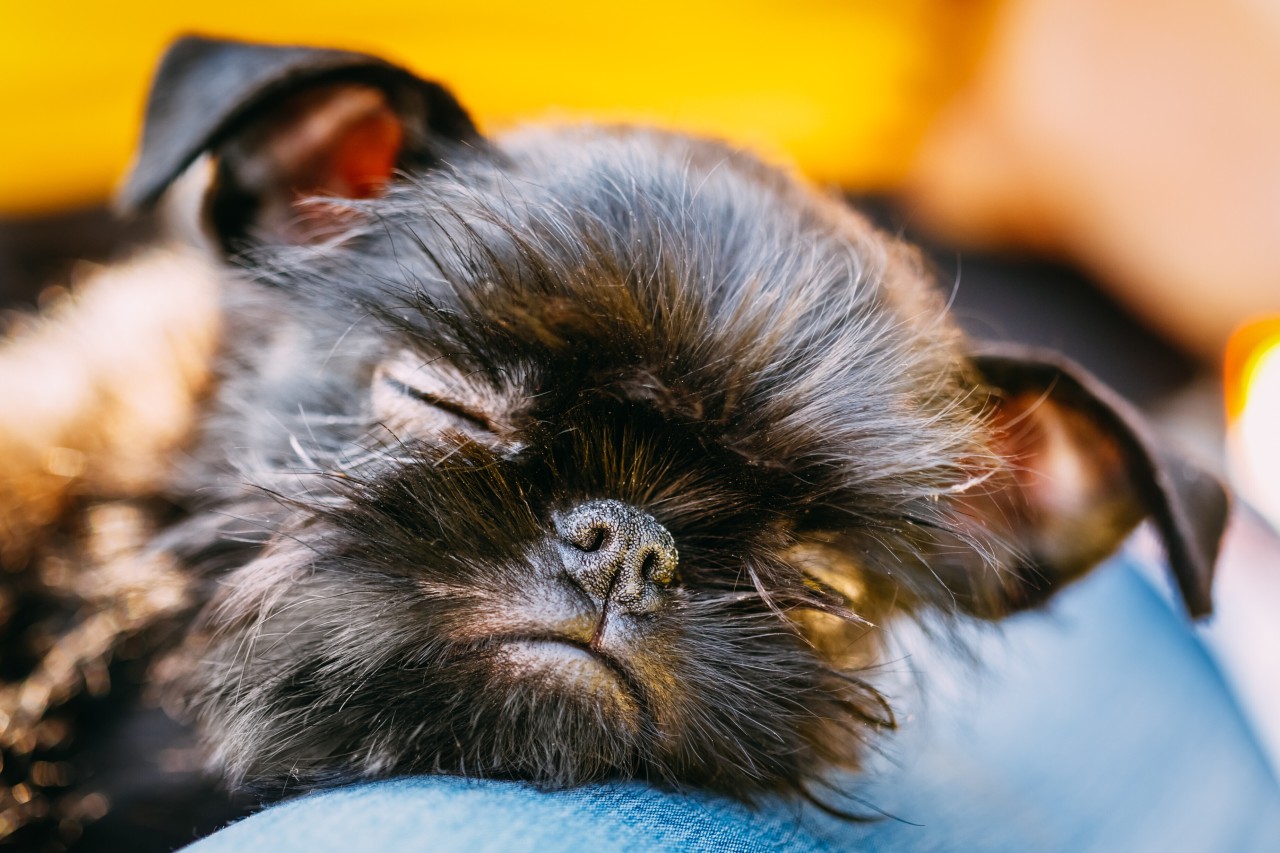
x=657, y=566
x=593, y=538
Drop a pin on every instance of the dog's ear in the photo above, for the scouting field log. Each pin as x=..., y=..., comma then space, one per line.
x=1083, y=468
x=283, y=124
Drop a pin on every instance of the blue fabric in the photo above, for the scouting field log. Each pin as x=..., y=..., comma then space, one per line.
x=1100, y=724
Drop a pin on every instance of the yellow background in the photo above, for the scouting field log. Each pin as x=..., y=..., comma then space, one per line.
x=844, y=89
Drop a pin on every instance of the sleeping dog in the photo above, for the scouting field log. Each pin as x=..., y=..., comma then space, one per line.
x=578, y=453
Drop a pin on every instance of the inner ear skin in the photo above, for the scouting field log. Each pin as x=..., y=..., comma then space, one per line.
x=340, y=141
x=1076, y=482
x=1064, y=501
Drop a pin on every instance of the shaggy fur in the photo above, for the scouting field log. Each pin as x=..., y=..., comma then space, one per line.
x=439, y=412
x=667, y=323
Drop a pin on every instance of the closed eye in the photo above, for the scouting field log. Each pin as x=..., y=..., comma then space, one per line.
x=458, y=410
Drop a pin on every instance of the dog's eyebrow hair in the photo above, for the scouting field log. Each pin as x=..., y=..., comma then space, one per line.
x=441, y=403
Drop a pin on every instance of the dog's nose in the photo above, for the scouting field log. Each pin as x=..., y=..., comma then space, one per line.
x=617, y=554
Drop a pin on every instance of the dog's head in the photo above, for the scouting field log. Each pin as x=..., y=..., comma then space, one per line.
x=589, y=452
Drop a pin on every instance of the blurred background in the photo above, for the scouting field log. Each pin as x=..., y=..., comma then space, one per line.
x=1096, y=176
x=1131, y=146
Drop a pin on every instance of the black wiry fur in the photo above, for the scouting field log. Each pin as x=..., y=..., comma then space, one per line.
x=676, y=326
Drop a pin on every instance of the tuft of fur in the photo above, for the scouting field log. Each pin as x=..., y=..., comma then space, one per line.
x=670, y=324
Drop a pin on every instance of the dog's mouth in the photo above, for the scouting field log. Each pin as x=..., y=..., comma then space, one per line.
x=572, y=666
x=561, y=653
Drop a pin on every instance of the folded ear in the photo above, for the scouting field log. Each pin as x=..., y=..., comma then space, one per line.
x=283, y=124
x=1084, y=469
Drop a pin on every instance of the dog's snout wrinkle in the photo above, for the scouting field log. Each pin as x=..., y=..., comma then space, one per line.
x=618, y=555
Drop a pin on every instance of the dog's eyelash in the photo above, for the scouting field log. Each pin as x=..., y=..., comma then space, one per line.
x=458, y=410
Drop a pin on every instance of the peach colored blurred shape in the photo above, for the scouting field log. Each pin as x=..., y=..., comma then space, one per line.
x=1140, y=138
x=100, y=389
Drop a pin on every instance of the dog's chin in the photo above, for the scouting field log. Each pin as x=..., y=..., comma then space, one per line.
x=575, y=670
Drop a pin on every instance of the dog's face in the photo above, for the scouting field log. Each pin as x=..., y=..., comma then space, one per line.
x=591, y=452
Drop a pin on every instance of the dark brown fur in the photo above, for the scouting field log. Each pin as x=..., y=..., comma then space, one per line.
x=617, y=315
